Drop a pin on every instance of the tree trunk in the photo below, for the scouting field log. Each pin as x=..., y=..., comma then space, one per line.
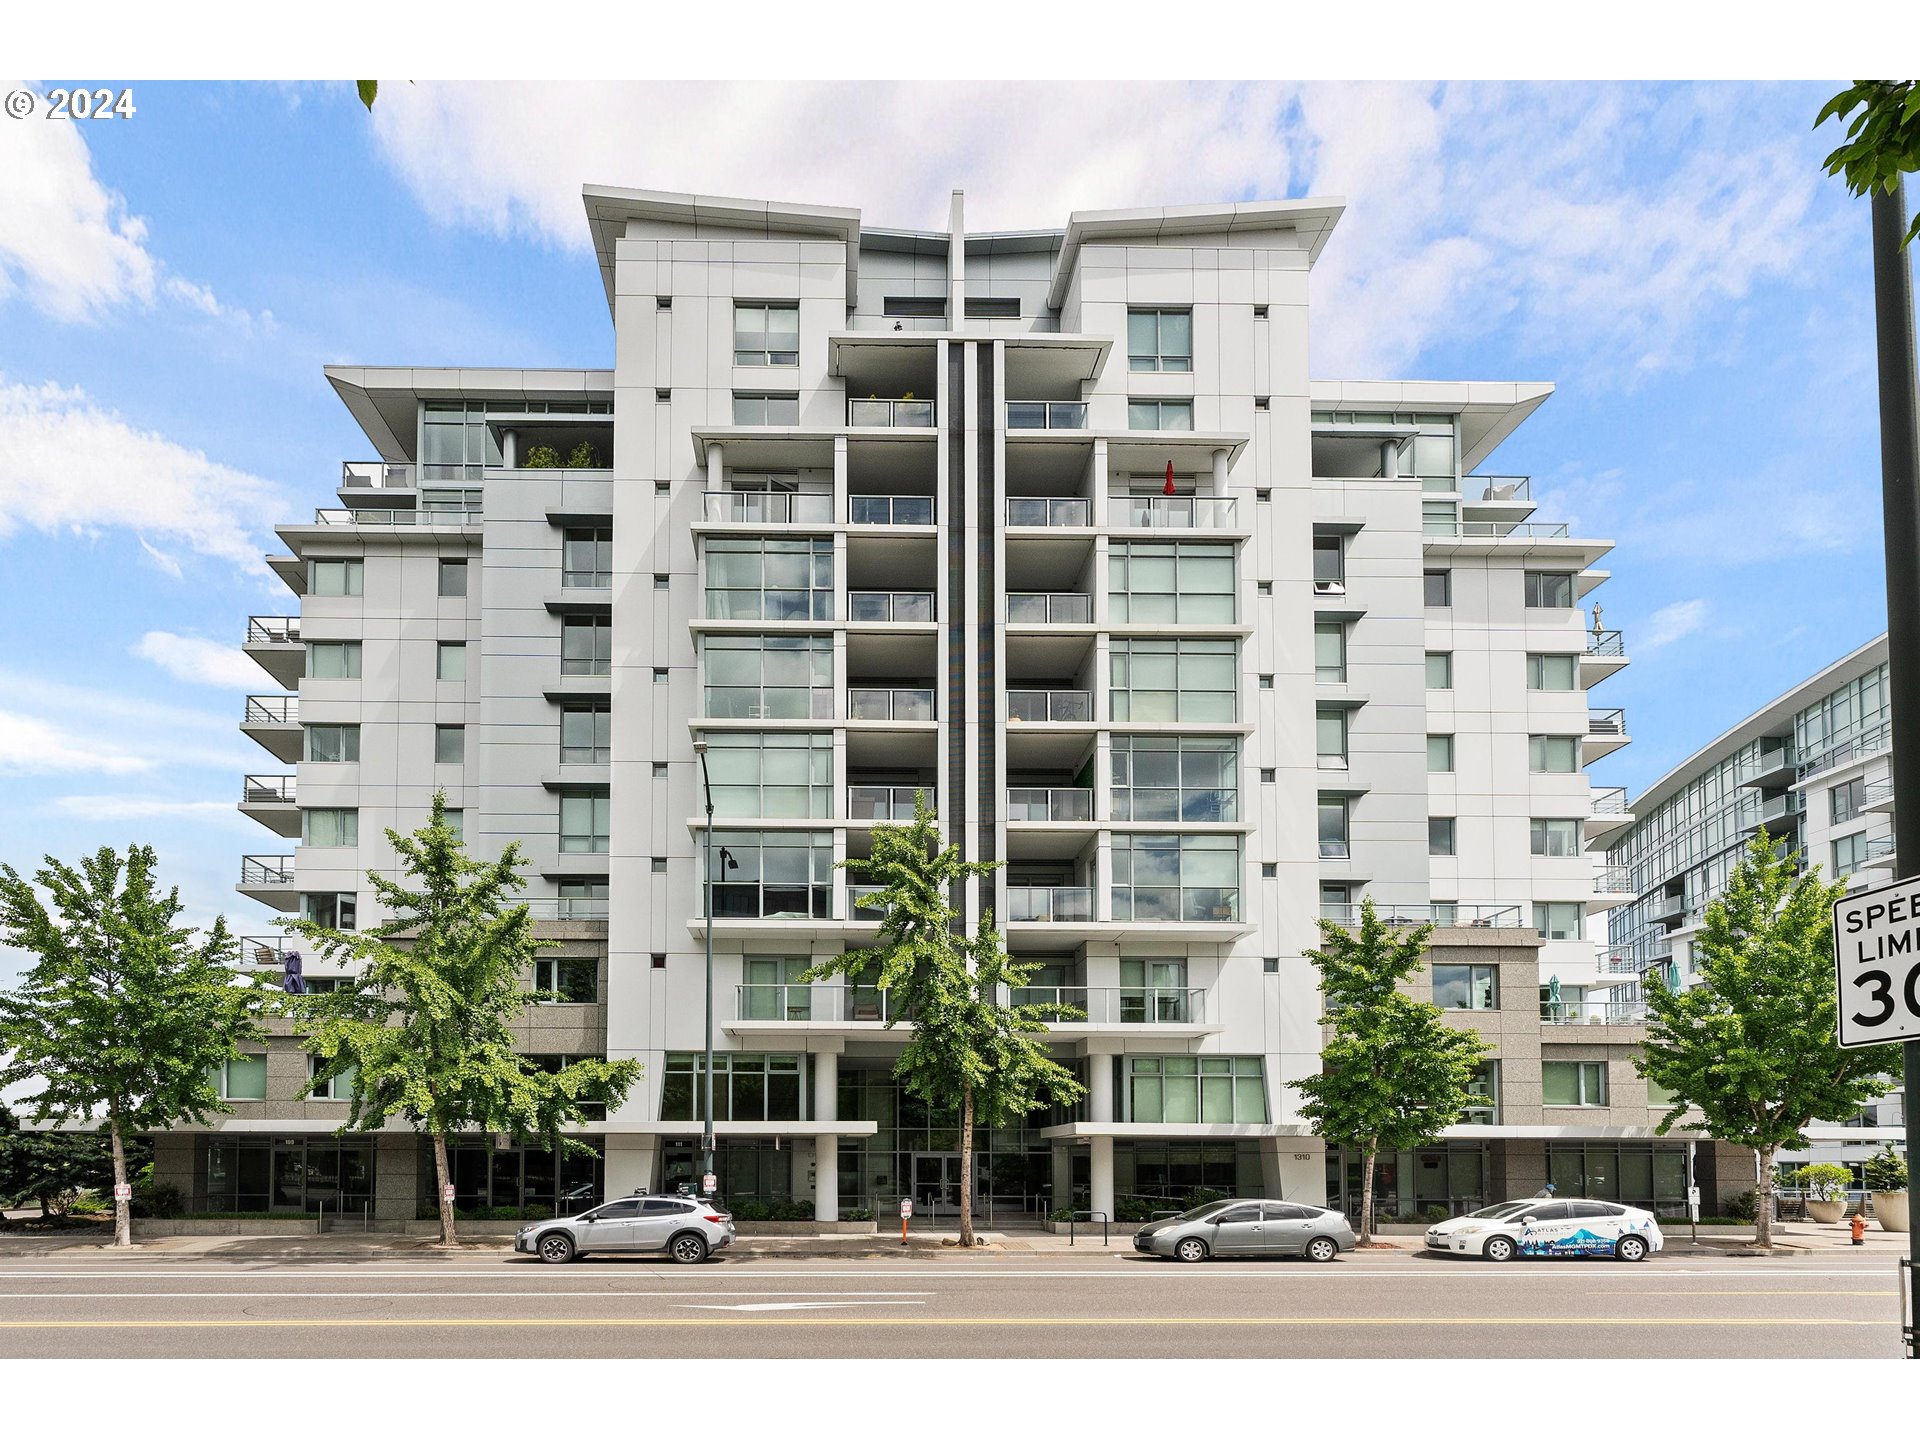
x=1763, y=1200
x=122, y=1207
x=1366, y=1193
x=966, y=1165
x=440, y=1188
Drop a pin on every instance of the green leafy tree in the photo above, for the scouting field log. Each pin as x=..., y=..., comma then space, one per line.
x=1883, y=142
x=427, y=1025
x=49, y=1167
x=1749, y=1053
x=1394, y=1074
x=125, y=1015
x=969, y=1051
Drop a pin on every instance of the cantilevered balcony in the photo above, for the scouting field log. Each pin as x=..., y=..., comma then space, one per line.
x=268, y=879
x=375, y=475
x=1460, y=536
x=890, y=414
x=767, y=507
x=1606, y=733
x=274, y=643
x=1445, y=914
x=1612, y=885
x=886, y=804
x=274, y=722
x=264, y=950
x=1880, y=854
x=1608, y=814
x=1606, y=654
x=1070, y=512
x=1046, y=415
x=270, y=800
x=1174, y=512
x=1049, y=904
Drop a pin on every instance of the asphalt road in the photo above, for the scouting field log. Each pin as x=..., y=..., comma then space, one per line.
x=484, y=1304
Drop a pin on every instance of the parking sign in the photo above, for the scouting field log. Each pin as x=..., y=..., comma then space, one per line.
x=1876, y=955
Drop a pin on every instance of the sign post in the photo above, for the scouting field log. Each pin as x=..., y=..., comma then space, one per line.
x=906, y=1214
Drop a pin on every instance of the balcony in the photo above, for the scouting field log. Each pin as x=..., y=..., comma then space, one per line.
x=1448, y=914
x=1106, y=1006
x=1046, y=415
x=569, y=907
x=264, y=950
x=269, y=799
x=1606, y=733
x=1498, y=489
x=274, y=643
x=375, y=475
x=1049, y=511
x=1028, y=805
x=1779, y=812
x=1057, y=607
x=889, y=804
x=766, y=507
x=1612, y=885
x=1606, y=654
x=268, y=879
x=1059, y=707
x=1174, y=512
x=1877, y=798
x=390, y=518
x=273, y=721
x=889, y=607
x=1844, y=752
x=859, y=910
x=1049, y=904
x=1880, y=854
x=890, y=414
x=890, y=509
x=1593, y=1012
x=890, y=704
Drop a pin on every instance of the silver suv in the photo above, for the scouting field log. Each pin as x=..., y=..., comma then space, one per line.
x=687, y=1229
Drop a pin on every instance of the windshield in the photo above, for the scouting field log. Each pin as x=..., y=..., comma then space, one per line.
x=1500, y=1212
x=1212, y=1207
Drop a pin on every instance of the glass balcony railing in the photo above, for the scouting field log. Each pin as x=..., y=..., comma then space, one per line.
x=766, y=507
x=1444, y=913
x=1050, y=903
x=1494, y=489
x=1060, y=706
x=858, y=907
x=1173, y=512
x=266, y=790
x=1049, y=510
x=890, y=414
x=1438, y=528
x=874, y=703
x=1055, y=607
x=1046, y=415
x=391, y=519
x=273, y=630
x=1044, y=804
x=1589, y=1011
x=374, y=475
x=1118, y=1005
x=890, y=509
x=890, y=803
x=890, y=606
x=266, y=870
x=569, y=907
x=843, y=1003
x=272, y=710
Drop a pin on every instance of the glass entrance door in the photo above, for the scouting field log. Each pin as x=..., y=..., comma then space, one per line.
x=936, y=1183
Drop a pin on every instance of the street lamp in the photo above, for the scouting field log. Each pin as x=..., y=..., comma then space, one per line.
x=706, y=1134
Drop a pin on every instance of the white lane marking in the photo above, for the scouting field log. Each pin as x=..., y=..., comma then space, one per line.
x=425, y=1294
x=806, y=1305
x=936, y=1270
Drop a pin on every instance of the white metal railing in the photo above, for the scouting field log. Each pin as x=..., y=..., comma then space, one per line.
x=568, y=907
x=272, y=710
x=267, y=790
x=1473, y=917
x=263, y=949
x=399, y=519
x=1878, y=793
x=1880, y=847
x=1443, y=529
x=891, y=414
x=266, y=869
x=875, y=703
x=1606, y=643
x=1046, y=415
x=1047, y=803
x=885, y=802
x=890, y=509
x=1048, y=607
x=1056, y=903
x=273, y=630
x=1049, y=510
x=374, y=475
x=1060, y=706
x=1610, y=801
x=1173, y=512
x=890, y=606
x=1606, y=722
x=1613, y=880
x=1593, y=1012
x=767, y=507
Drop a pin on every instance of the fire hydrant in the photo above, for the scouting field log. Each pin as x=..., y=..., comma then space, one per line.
x=1859, y=1228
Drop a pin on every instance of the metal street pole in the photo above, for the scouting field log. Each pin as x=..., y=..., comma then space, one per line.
x=706, y=1133
x=1899, y=477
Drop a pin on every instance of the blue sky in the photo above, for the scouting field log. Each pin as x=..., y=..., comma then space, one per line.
x=170, y=286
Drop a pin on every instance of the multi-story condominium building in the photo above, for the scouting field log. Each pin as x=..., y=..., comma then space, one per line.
x=1814, y=768
x=1050, y=526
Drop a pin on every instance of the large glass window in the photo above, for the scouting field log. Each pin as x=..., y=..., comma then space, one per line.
x=769, y=677
x=584, y=824
x=335, y=910
x=783, y=875
x=1330, y=738
x=1168, y=777
x=1848, y=800
x=766, y=409
x=1155, y=584
x=1153, y=992
x=333, y=659
x=244, y=1077
x=1849, y=854
x=1196, y=1089
x=1176, y=877
x=1160, y=415
x=766, y=334
x=1178, y=680
x=1333, y=827
x=1330, y=652
x=1466, y=987
x=586, y=733
x=1573, y=1082
x=773, y=776
x=586, y=559
x=1553, y=672
x=1329, y=566
x=456, y=441
x=575, y=979
x=586, y=645
x=1559, y=919
x=1160, y=340
x=745, y=1087
x=1485, y=1088
x=340, y=1087
x=1548, y=589
x=774, y=990
x=332, y=744
x=1553, y=754
x=336, y=577
x=750, y=578
x=330, y=827
x=1554, y=837
x=582, y=900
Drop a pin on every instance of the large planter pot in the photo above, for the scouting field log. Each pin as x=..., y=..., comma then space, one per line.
x=1826, y=1212
x=1890, y=1209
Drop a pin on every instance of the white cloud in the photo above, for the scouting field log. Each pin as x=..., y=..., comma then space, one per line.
x=144, y=733
x=30, y=745
x=145, y=807
x=199, y=661
x=1670, y=623
x=67, y=466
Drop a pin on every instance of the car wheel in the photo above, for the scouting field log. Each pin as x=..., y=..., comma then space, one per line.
x=1190, y=1249
x=1500, y=1248
x=1631, y=1247
x=1322, y=1248
x=556, y=1249
x=688, y=1249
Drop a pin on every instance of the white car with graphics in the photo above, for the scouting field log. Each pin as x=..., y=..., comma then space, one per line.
x=1550, y=1228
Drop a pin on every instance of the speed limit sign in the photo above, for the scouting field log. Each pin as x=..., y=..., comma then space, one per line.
x=1876, y=953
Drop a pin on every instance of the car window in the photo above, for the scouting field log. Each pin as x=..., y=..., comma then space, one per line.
x=1592, y=1210
x=1509, y=1210
x=618, y=1210
x=1277, y=1211
x=666, y=1207
x=1239, y=1215
x=1203, y=1212
x=1560, y=1211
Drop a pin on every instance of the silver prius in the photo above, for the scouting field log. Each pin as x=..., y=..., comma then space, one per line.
x=688, y=1229
x=1232, y=1228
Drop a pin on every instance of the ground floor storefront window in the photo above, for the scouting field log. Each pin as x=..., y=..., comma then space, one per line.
x=288, y=1175
x=517, y=1178
x=1151, y=1175
x=1653, y=1177
x=1412, y=1186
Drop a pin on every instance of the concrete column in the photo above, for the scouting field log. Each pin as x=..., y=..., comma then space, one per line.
x=826, y=1085
x=1100, y=1149
x=631, y=1164
x=401, y=1159
x=716, y=470
x=1100, y=1088
x=956, y=263
x=1389, y=459
x=510, y=449
x=826, y=1178
x=1220, y=471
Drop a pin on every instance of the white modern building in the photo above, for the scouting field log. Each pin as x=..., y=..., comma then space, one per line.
x=1051, y=525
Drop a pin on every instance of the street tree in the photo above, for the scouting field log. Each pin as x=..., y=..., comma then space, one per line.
x=1749, y=1053
x=124, y=1016
x=1394, y=1073
x=425, y=1032
x=1883, y=142
x=970, y=1050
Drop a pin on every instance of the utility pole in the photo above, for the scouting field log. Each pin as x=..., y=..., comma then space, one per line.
x=1899, y=477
